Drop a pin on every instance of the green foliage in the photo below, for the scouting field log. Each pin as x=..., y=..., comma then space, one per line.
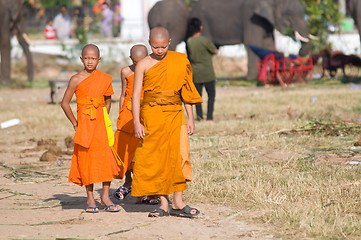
x=320, y=15
x=53, y=3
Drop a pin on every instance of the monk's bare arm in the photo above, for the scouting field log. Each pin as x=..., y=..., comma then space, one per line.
x=190, y=122
x=108, y=102
x=124, y=87
x=137, y=88
x=65, y=103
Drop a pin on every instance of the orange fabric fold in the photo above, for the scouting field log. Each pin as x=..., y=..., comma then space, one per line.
x=158, y=166
x=92, y=105
x=93, y=160
x=125, y=142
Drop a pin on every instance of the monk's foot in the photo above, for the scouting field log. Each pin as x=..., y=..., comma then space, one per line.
x=147, y=200
x=122, y=192
x=112, y=208
x=186, y=211
x=159, y=212
x=91, y=202
x=92, y=209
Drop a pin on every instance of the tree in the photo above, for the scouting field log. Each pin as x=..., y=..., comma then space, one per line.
x=321, y=16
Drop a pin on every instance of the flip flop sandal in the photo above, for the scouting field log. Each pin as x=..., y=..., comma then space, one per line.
x=108, y=208
x=122, y=192
x=94, y=210
x=184, y=212
x=158, y=213
x=145, y=200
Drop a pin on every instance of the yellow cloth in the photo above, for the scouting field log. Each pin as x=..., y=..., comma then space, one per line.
x=157, y=168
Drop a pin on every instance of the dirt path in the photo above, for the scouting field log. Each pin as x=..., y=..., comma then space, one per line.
x=37, y=202
x=48, y=207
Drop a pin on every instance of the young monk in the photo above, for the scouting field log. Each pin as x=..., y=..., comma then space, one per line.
x=166, y=78
x=125, y=140
x=93, y=160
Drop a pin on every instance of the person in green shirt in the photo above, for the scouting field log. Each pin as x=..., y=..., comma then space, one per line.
x=200, y=50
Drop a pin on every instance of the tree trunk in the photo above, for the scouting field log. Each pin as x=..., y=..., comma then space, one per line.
x=28, y=55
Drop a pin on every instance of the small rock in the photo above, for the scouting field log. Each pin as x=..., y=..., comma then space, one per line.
x=48, y=156
x=69, y=142
x=56, y=150
x=46, y=142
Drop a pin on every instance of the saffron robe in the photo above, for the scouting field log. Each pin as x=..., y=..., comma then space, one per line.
x=93, y=160
x=157, y=168
x=126, y=143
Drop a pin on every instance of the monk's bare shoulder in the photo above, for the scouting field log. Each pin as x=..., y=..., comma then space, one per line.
x=76, y=79
x=126, y=71
x=145, y=63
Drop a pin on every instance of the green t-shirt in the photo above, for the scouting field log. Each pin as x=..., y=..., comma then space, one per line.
x=200, y=50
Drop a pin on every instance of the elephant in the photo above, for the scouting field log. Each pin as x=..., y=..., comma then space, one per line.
x=13, y=22
x=251, y=22
x=173, y=15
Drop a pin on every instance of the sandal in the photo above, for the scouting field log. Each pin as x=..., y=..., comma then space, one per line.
x=145, y=200
x=158, y=213
x=184, y=212
x=108, y=208
x=122, y=192
x=94, y=210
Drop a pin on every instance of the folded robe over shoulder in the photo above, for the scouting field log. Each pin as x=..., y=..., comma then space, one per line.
x=157, y=169
x=93, y=160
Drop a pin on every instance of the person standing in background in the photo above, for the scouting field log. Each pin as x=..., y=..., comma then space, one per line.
x=49, y=30
x=107, y=21
x=200, y=50
x=117, y=20
x=63, y=24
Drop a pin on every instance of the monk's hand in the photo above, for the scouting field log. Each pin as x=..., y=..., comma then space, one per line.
x=75, y=125
x=190, y=127
x=139, y=131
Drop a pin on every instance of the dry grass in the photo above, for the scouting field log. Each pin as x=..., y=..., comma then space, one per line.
x=300, y=184
x=281, y=179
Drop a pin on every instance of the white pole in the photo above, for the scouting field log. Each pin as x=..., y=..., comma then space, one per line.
x=342, y=4
x=145, y=9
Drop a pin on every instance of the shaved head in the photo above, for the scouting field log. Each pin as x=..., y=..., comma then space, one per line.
x=159, y=33
x=138, y=51
x=90, y=47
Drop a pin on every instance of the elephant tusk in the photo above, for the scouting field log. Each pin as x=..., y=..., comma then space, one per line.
x=26, y=38
x=312, y=37
x=299, y=36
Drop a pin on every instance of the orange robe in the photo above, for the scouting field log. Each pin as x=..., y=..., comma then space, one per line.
x=93, y=160
x=125, y=142
x=157, y=168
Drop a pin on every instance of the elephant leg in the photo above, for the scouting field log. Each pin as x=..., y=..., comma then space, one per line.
x=29, y=58
x=252, y=73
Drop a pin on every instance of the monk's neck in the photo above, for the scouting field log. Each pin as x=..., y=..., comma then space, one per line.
x=89, y=72
x=159, y=59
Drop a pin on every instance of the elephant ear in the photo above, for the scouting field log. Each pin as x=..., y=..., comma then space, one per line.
x=265, y=9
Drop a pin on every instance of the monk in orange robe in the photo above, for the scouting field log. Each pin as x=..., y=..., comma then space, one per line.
x=166, y=78
x=125, y=141
x=93, y=160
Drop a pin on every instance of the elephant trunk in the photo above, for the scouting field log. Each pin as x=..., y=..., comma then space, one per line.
x=301, y=33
